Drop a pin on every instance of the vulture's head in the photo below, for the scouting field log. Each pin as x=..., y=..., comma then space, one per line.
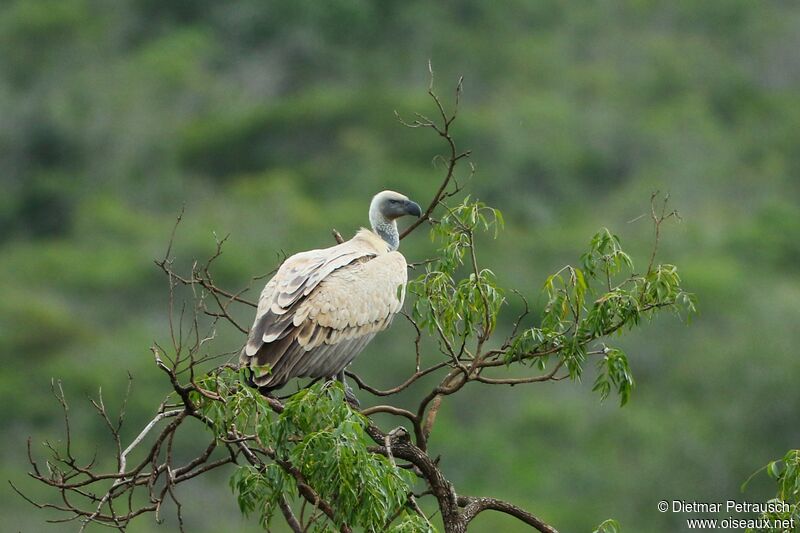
x=385, y=209
x=391, y=205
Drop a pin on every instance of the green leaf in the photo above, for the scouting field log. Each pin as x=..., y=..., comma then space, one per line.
x=608, y=526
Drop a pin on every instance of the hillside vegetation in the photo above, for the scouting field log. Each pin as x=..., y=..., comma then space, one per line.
x=274, y=122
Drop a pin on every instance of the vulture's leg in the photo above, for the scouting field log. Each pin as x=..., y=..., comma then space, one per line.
x=348, y=392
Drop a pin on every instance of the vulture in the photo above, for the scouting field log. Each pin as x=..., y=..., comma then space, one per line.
x=323, y=306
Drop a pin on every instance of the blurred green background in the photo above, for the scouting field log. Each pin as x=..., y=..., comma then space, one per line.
x=273, y=121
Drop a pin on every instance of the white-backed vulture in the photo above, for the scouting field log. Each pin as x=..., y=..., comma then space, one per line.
x=324, y=306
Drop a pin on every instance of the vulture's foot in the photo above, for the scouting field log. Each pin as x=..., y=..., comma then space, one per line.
x=349, y=396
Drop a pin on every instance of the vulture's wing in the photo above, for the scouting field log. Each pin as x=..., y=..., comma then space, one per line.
x=321, y=309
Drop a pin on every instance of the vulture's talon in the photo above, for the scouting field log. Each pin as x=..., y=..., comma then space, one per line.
x=349, y=395
x=400, y=433
x=350, y=398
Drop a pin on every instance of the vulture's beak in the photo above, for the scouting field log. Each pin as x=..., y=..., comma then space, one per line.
x=412, y=208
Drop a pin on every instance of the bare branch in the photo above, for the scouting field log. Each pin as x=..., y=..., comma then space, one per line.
x=288, y=514
x=390, y=409
x=518, y=381
x=394, y=390
x=139, y=438
x=454, y=156
x=474, y=506
x=658, y=217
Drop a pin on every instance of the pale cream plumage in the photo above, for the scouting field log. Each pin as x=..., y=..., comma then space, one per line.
x=323, y=306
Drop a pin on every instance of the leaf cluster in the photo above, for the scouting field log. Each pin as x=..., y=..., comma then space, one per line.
x=602, y=298
x=318, y=439
x=786, y=473
x=450, y=302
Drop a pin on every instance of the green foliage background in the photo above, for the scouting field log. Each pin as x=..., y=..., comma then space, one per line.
x=273, y=121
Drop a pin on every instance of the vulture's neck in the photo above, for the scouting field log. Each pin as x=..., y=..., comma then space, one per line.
x=386, y=229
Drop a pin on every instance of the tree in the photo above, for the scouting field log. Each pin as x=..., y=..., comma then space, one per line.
x=324, y=464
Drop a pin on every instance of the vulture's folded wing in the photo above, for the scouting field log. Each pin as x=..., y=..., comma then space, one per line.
x=321, y=310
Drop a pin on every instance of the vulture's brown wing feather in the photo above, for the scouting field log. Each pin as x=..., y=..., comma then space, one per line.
x=296, y=278
x=316, y=315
